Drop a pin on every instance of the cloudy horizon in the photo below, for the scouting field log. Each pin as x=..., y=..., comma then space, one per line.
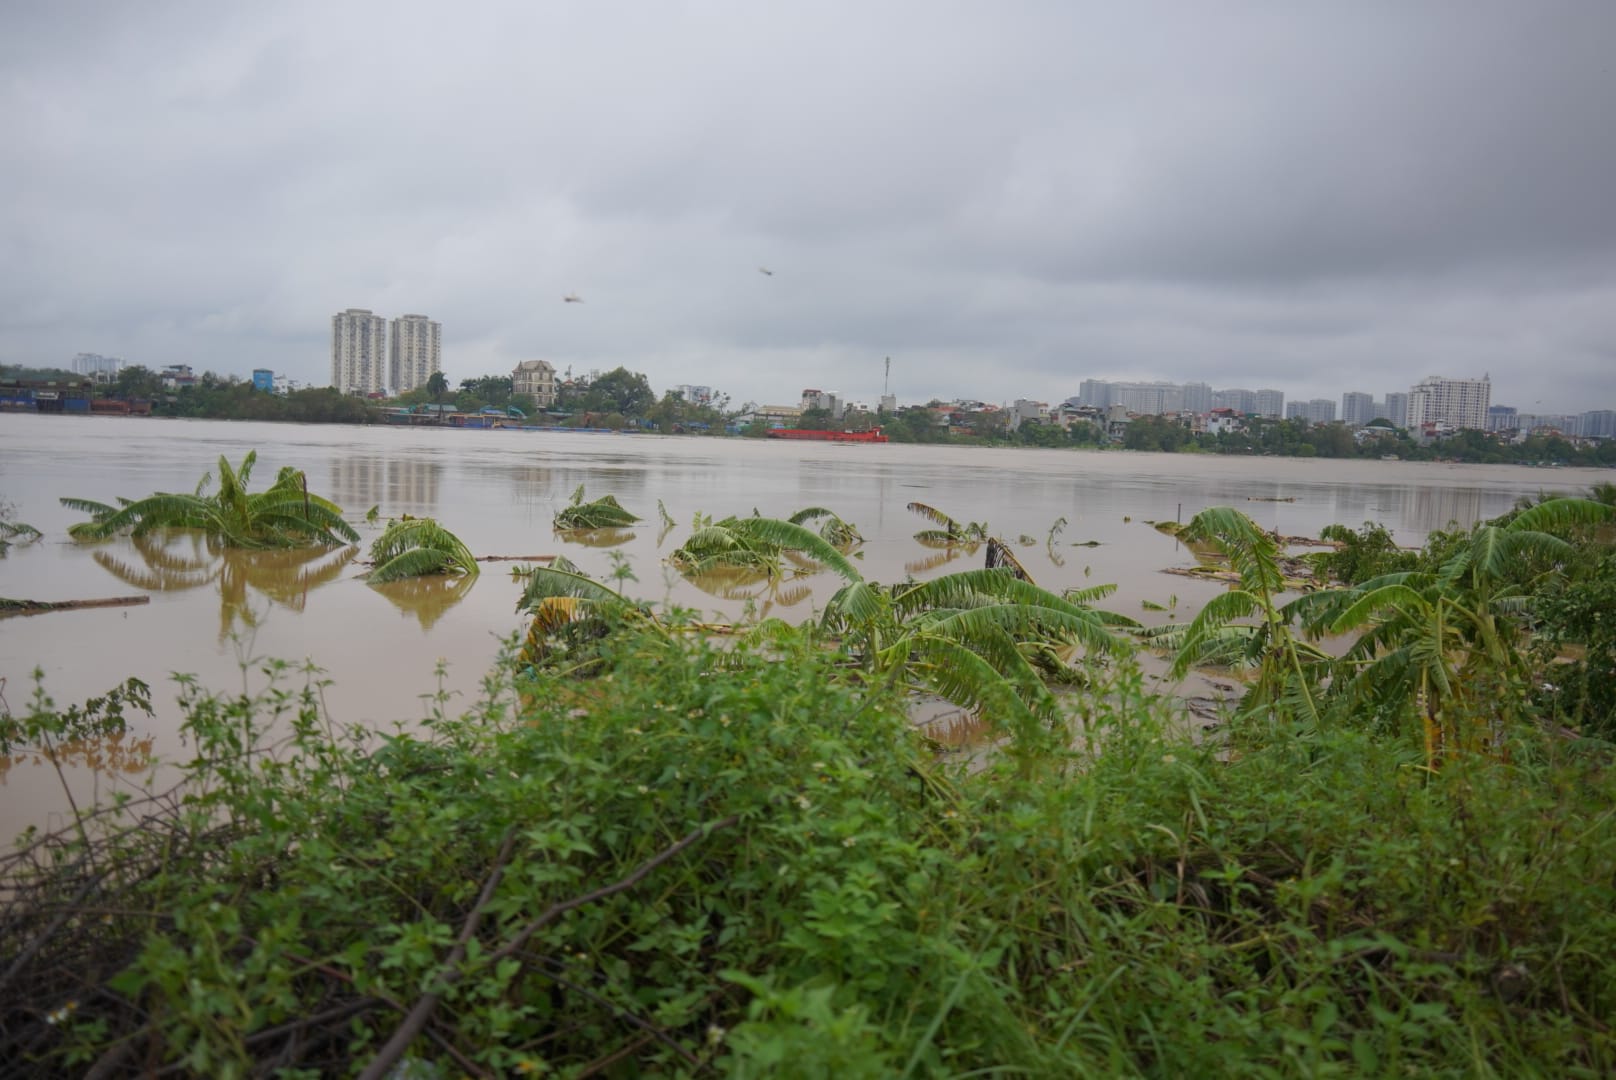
x=1005, y=200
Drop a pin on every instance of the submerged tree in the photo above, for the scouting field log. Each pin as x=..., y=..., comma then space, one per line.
x=284, y=515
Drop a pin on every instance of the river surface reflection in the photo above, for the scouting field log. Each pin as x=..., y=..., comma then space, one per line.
x=211, y=610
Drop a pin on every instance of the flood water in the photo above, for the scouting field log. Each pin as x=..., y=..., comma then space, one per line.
x=211, y=611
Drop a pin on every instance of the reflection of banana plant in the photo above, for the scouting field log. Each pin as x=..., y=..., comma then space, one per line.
x=604, y=513
x=283, y=576
x=667, y=523
x=285, y=515
x=417, y=547
x=597, y=538
x=916, y=567
x=426, y=598
x=739, y=584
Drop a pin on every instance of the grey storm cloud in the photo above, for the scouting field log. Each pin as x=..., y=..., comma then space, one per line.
x=1004, y=199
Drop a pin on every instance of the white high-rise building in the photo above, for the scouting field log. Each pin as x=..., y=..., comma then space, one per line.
x=1598, y=424
x=417, y=352
x=1357, y=409
x=358, y=352
x=1241, y=401
x=1458, y=403
x=86, y=363
x=1197, y=397
x=1271, y=403
x=1095, y=392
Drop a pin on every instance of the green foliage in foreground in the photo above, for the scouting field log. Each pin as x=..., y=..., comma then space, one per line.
x=739, y=863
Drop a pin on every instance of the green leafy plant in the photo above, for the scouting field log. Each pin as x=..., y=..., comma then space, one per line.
x=758, y=549
x=1448, y=644
x=603, y=513
x=284, y=515
x=1248, y=626
x=414, y=547
x=14, y=531
x=951, y=531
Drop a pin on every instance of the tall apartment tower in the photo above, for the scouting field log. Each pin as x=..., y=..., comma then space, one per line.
x=1271, y=403
x=1357, y=409
x=1197, y=397
x=417, y=352
x=358, y=352
x=1459, y=403
x=1396, y=409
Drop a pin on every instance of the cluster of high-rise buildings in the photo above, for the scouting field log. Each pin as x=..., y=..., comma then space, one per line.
x=1160, y=398
x=1432, y=404
x=369, y=357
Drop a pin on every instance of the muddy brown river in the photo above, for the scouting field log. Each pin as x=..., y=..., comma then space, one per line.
x=212, y=613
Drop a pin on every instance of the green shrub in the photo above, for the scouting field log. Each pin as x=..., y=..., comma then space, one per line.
x=741, y=860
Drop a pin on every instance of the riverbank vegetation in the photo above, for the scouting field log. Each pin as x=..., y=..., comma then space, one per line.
x=652, y=849
x=743, y=863
x=621, y=399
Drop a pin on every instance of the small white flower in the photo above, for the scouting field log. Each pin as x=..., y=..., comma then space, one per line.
x=847, y=842
x=803, y=802
x=715, y=1034
x=1168, y=759
x=643, y=790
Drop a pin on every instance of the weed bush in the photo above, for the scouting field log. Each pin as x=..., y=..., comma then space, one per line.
x=748, y=863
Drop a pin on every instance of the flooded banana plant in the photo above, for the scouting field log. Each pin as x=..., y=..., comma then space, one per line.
x=573, y=616
x=418, y=547
x=766, y=547
x=951, y=532
x=285, y=515
x=603, y=513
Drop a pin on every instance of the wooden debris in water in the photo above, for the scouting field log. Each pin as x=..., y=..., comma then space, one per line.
x=41, y=607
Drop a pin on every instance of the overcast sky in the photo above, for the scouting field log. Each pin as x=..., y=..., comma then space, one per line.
x=1004, y=198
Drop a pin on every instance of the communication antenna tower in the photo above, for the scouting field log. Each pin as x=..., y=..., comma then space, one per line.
x=887, y=378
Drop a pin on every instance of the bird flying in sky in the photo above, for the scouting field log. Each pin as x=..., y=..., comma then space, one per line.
x=572, y=298
x=765, y=270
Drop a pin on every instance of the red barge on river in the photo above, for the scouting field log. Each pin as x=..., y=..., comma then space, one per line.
x=804, y=435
